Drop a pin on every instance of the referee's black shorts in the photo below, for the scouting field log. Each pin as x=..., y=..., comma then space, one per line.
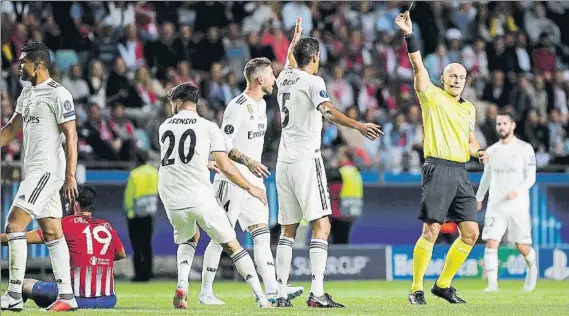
x=447, y=194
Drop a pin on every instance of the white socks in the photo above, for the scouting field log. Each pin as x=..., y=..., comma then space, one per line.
x=185, y=257
x=246, y=268
x=264, y=258
x=284, y=259
x=530, y=258
x=210, y=264
x=318, y=258
x=59, y=254
x=18, y=254
x=491, y=266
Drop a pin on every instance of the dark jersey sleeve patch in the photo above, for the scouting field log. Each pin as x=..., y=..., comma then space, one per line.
x=323, y=93
x=229, y=129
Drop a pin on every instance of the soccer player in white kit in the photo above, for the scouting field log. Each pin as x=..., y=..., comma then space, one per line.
x=301, y=181
x=509, y=174
x=244, y=127
x=44, y=110
x=186, y=141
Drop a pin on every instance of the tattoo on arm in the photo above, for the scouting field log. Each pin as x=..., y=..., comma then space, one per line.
x=239, y=157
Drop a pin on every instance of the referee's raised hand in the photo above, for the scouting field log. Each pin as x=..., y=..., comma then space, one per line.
x=403, y=21
x=370, y=130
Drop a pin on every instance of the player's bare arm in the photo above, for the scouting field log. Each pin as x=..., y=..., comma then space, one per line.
x=369, y=130
x=32, y=237
x=295, y=38
x=229, y=170
x=475, y=150
x=421, y=80
x=120, y=255
x=483, y=186
x=69, y=129
x=257, y=168
x=11, y=129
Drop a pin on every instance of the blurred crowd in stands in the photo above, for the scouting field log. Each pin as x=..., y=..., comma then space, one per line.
x=119, y=59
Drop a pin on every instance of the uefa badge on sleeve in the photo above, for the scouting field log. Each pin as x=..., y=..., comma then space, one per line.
x=68, y=109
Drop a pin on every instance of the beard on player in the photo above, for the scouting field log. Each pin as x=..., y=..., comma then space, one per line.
x=505, y=132
x=268, y=89
x=26, y=71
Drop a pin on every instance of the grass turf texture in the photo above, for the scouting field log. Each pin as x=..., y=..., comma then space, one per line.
x=360, y=298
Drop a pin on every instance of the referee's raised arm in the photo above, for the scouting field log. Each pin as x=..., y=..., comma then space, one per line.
x=420, y=75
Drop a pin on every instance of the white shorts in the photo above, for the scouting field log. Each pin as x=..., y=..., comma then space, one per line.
x=302, y=191
x=209, y=216
x=39, y=196
x=240, y=205
x=516, y=224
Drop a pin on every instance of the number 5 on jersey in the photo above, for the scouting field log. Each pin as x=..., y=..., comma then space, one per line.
x=286, y=97
x=184, y=158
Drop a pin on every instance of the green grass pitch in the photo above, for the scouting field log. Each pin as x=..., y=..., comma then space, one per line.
x=360, y=298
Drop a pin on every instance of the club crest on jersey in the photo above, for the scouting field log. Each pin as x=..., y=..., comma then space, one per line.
x=228, y=129
x=30, y=118
x=323, y=93
x=250, y=108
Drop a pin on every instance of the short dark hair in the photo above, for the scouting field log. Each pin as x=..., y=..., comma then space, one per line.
x=254, y=64
x=142, y=156
x=305, y=49
x=506, y=113
x=37, y=52
x=185, y=92
x=87, y=198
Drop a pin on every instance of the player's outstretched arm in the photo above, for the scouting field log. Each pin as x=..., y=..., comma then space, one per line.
x=32, y=237
x=11, y=129
x=254, y=166
x=291, y=61
x=229, y=170
x=369, y=130
x=421, y=80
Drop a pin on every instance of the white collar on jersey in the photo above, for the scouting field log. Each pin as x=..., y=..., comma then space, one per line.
x=42, y=85
x=248, y=97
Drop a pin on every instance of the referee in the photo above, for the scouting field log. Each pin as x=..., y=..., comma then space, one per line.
x=447, y=193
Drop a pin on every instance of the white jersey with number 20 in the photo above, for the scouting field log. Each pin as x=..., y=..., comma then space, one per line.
x=299, y=95
x=186, y=141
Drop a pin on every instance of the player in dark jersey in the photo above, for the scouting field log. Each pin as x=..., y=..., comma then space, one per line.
x=93, y=247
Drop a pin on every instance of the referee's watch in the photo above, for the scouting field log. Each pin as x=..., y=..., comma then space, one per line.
x=478, y=152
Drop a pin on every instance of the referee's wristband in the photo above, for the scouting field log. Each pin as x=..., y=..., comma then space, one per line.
x=412, y=43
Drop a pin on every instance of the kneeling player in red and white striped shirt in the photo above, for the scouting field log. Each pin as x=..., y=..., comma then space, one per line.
x=93, y=247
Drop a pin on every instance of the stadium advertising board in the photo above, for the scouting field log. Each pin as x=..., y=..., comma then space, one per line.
x=512, y=264
x=344, y=263
x=553, y=263
x=402, y=263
